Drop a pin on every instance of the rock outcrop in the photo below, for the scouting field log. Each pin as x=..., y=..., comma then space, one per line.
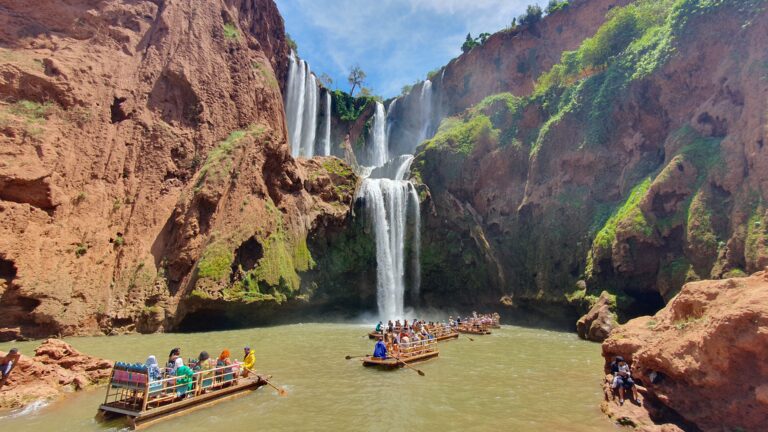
x=145, y=171
x=702, y=358
x=55, y=368
x=596, y=325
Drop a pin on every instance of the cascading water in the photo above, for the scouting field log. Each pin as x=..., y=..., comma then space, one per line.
x=425, y=102
x=392, y=203
x=327, y=125
x=379, y=151
x=387, y=202
x=301, y=108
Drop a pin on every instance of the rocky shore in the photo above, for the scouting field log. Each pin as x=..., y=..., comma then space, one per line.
x=700, y=360
x=55, y=368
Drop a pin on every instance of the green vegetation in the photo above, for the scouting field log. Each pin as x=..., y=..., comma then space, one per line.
x=460, y=136
x=349, y=108
x=682, y=324
x=628, y=213
x=231, y=32
x=218, y=165
x=756, y=243
x=81, y=249
x=216, y=261
x=119, y=240
x=556, y=5
x=266, y=73
x=470, y=43
x=532, y=15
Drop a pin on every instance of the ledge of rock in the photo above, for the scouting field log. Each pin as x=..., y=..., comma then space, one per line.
x=55, y=368
x=701, y=359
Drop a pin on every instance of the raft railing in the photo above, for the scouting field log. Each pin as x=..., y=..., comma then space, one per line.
x=134, y=391
x=417, y=348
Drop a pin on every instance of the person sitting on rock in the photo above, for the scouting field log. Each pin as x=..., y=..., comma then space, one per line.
x=623, y=380
x=7, y=364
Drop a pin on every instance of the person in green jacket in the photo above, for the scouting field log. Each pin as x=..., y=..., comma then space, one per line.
x=185, y=380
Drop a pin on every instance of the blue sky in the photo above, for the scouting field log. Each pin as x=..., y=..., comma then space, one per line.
x=396, y=42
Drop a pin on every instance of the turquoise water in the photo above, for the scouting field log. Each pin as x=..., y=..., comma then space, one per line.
x=516, y=379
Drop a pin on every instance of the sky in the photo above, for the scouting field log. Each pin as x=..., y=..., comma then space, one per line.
x=396, y=42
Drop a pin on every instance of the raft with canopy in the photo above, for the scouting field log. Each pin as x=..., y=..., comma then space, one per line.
x=140, y=400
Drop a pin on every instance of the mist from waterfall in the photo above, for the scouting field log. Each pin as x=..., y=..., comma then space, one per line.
x=302, y=106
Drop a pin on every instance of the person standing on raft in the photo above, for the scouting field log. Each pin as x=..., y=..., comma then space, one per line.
x=249, y=361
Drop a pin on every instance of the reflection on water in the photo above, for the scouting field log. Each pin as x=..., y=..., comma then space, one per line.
x=515, y=379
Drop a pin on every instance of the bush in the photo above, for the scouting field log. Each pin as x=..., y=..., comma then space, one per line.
x=531, y=16
x=291, y=43
x=81, y=249
x=231, y=31
x=556, y=5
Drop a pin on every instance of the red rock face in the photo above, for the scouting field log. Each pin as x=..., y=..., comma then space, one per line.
x=703, y=355
x=512, y=60
x=55, y=368
x=110, y=111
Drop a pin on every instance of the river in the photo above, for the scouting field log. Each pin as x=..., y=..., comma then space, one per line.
x=516, y=379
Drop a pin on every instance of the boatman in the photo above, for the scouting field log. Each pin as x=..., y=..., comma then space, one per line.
x=249, y=361
x=380, y=350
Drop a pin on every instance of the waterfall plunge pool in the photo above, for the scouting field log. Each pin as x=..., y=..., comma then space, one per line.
x=518, y=379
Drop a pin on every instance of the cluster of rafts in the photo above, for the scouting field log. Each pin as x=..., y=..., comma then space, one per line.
x=389, y=199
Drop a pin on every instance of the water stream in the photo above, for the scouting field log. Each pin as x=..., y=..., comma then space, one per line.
x=516, y=379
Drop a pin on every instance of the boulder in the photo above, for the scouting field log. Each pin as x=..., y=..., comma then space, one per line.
x=597, y=324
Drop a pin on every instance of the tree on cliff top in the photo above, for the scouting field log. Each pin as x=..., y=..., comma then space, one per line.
x=531, y=16
x=356, y=78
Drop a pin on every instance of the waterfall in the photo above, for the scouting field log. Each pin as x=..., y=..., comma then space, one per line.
x=387, y=201
x=379, y=151
x=294, y=105
x=327, y=125
x=301, y=108
x=415, y=204
x=425, y=102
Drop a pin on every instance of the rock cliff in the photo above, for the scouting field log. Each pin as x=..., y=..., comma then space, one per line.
x=145, y=172
x=635, y=164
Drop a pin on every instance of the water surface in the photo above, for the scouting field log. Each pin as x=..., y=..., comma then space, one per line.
x=515, y=379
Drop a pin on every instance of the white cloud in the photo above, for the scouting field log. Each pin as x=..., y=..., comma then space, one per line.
x=395, y=41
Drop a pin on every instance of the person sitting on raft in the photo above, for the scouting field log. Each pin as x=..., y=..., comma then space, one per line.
x=174, y=361
x=153, y=370
x=378, y=327
x=623, y=379
x=380, y=350
x=249, y=361
x=184, y=382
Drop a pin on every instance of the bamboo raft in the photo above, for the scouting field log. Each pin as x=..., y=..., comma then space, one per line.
x=141, y=402
x=411, y=352
x=440, y=334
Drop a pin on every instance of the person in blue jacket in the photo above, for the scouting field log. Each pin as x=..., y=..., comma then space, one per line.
x=380, y=350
